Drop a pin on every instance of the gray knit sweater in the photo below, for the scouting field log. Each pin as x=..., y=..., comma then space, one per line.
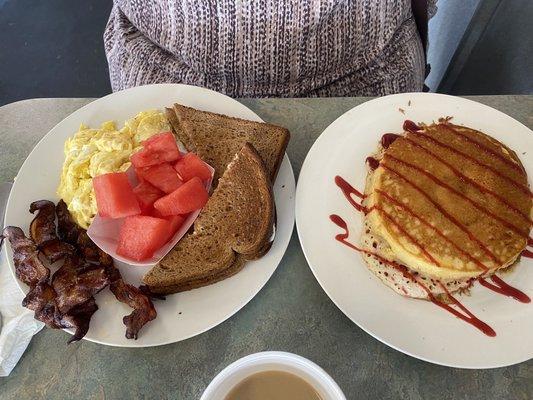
x=258, y=48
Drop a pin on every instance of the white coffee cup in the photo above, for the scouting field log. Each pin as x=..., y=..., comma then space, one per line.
x=236, y=372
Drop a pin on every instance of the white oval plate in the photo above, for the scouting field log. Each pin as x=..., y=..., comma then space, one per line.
x=182, y=315
x=414, y=327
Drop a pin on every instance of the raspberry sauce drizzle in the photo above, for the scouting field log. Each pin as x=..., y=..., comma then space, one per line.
x=410, y=126
x=467, y=316
x=446, y=214
x=349, y=191
x=465, y=178
x=372, y=163
x=481, y=146
x=439, y=182
x=518, y=185
x=387, y=139
x=526, y=253
x=407, y=234
x=502, y=287
x=435, y=229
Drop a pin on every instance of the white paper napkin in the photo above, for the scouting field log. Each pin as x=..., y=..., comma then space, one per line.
x=18, y=325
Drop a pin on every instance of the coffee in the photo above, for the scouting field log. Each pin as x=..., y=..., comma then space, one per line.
x=273, y=385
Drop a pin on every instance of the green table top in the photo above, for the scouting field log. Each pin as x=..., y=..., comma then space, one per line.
x=291, y=313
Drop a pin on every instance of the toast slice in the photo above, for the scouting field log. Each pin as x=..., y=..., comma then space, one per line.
x=235, y=225
x=217, y=138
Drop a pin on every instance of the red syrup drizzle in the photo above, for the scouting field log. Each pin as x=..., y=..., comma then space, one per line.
x=435, y=229
x=506, y=178
x=446, y=214
x=372, y=163
x=481, y=146
x=387, y=139
x=501, y=287
x=467, y=316
x=349, y=191
x=502, y=221
x=410, y=126
x=465, y=178
x=407, y=234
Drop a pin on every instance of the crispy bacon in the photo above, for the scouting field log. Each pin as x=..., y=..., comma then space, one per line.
x=76, y=281
x=43, y=231
x=28, y=267
x=43, y=226
x=79, y=318
x=67, y=229
x=42, y=298
x=143, y=308
x=67, y=301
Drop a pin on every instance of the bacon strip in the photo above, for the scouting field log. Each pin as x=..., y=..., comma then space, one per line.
x=28, y=267
x=67, y=301
x=143, y=308
x=43, y=231
x=42, y=298
x=77, y=282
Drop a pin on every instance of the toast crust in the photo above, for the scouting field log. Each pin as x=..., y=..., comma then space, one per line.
x=184, y=117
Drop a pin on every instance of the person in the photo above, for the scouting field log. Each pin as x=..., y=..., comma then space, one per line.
x=270, y=48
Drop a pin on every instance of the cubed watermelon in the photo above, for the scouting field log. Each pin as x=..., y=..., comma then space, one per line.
x=146, y=195
x=141, y=235
x=165, y=144
x=158, y=149
x=162, y=176
x=189, y=197
x=114, y=196
x=190, y=165
x=174, y=223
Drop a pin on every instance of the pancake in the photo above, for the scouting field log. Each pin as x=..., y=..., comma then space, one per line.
x=448, y=202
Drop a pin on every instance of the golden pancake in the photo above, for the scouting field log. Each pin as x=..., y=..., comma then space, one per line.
x=448, y=202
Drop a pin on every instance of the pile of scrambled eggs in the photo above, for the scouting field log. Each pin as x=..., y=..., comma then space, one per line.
x=92, y=152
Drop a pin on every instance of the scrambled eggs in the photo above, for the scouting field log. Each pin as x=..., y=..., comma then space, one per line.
x=92, y=152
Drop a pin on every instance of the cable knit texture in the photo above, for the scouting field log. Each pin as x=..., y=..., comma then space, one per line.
x=267, y=48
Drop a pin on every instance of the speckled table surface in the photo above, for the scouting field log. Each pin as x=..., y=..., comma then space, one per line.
x=291, y=313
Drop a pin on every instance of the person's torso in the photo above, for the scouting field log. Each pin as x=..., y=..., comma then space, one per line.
x=286, y=39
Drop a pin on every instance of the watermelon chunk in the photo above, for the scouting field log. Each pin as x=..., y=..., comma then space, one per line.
x=189, y=197
x=141, y=235
x=174, y=223
x=114, y=196
x=146, y=195
x=162, y=176
x=158, y=149
x=190, y=165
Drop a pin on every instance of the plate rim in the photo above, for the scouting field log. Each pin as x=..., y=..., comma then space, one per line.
x=298, y=217
x=247, y=299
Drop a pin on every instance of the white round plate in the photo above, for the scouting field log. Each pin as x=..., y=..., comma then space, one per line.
x=182, y=315
x=415, y=327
